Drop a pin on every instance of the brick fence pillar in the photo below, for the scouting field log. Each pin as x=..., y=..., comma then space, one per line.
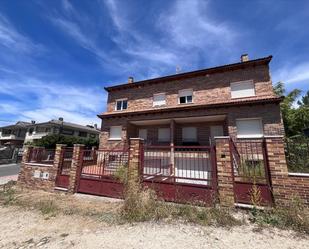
x=277, y=167
x=26, y=154
x=224, y=172
x=59, y=152
x=136, y=145
x=77, y=160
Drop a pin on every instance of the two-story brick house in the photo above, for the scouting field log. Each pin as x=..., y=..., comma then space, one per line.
x=192, y=108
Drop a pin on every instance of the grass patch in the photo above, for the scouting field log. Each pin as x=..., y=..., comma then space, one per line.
x=8, y=193
x=47, y=207
x=295, y=217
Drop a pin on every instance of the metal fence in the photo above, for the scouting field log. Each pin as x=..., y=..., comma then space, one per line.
x=297, y=154
x=178, y=164
x=100, y=163
x=42, y=156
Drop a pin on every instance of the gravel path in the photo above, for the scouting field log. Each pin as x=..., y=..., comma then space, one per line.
x=29, y=229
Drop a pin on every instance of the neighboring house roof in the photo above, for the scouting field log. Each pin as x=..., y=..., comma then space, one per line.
x=18, y=125
x=67, y=124
x=228, y=67
x=236, y=102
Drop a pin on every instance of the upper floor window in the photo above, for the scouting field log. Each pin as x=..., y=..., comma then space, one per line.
x=159, y=99
x=121, y=104
x=82, y=134
x=67, y=132
x=185, y=96
x=242, y=89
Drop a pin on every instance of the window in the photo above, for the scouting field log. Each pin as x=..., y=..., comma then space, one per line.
x=249, y=128
x=185, y=96
x=82, y=134
x=67, y=132
x=121, y=104
x=242, y=89
x=159, y=99
x=216, y=131
x=142, y=133
x=164, y=135
x=115, y=132
x=189, y=134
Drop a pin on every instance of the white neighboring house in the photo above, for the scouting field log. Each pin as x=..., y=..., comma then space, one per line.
x=13, y=135
x=36, y=131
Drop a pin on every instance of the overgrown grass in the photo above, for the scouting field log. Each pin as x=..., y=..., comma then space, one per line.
x=7, y=194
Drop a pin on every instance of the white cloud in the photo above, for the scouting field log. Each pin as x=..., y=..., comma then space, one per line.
x=42, y=100
x=293, y=73
x=14, y=40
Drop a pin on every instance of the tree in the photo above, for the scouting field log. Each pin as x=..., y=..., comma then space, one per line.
x=304, y=101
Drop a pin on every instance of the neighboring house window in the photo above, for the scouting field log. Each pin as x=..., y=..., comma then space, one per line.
x=115, y=132
x=67, y=132
x=121, y=104
x=164, y=135
x=189, y=134
x=159, y=99
x=82, y=134
x=185, y=96
x=48, y=130
x=242, y=89
x=249, y=128
x=142, y=133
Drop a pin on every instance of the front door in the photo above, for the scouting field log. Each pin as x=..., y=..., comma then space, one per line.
x=215, y=131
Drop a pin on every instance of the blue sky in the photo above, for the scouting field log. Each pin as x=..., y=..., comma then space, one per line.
x=56, y=56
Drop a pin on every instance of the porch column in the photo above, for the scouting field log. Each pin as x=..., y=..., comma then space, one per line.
x=172, y=143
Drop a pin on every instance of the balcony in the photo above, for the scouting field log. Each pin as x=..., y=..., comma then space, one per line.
x=10, y=137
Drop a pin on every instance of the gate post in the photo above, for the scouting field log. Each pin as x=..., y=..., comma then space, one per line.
x=58, y=159
x=224, y=171
x=77, y=161
x=135, y=162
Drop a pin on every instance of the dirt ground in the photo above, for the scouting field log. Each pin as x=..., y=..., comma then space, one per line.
x=31, y=229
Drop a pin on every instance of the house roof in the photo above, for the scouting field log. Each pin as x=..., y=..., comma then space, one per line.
x=227, y=67
x=236, y=102
x=18, y=125
x=67, y=124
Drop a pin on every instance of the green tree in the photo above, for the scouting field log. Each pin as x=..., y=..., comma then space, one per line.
x=304, y=100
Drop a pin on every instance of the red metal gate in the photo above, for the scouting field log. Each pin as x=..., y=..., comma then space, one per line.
x=250, y=172
x=181, y=173
x=62, y=179
x=97, y=175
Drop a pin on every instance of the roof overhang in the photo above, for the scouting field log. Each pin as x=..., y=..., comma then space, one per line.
x=228, y=67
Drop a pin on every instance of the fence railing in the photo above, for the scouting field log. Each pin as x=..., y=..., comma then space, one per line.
x=178, y=164
x=65, y=165
x=103, y=163
x=297, y=154
x=42, y=156
x=249, y=160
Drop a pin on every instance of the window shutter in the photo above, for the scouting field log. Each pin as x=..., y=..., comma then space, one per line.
x=159, y=99
x=242, y=89
x=185, y=92
x=164, y=134
x=189, y=134
x=249, y=128
x=142, y=133
x=115, y=132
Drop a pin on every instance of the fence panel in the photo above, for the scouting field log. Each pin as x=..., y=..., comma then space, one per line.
x=297, y=154
x=42, y=155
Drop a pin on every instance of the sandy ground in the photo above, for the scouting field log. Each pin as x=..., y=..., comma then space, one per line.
x=30, y=229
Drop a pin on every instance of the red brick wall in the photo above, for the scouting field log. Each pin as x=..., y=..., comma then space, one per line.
x=211, y=88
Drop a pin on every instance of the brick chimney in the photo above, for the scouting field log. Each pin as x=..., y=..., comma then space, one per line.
x=244, y=57
x=130, y=79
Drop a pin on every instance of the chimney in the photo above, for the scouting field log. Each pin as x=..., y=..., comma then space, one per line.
x=32, y=121
x=244, y=57
x=61, y=119
x=95, y=126
x=130, y=79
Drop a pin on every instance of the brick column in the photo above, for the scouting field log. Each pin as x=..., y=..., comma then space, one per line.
x=26, y=154
x=277, y=168
x=76, y=166
x=58, y=159
x=224, y=172
x=136, y=144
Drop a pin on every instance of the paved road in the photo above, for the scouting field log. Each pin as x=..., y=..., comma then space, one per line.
x=9, y=169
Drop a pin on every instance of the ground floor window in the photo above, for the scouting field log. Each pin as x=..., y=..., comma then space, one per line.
x=189, y=134
x=115, y=132
x=164, y=134
x=142, y=133
x=249, y=128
